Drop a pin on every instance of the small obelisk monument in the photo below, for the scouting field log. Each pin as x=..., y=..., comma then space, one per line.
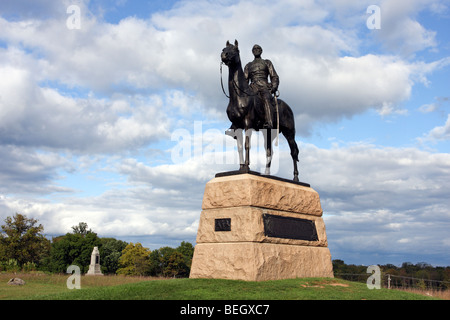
x=94, y=267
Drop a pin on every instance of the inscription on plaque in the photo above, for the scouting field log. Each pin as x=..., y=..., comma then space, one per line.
x=289, y=228
x=222, y=224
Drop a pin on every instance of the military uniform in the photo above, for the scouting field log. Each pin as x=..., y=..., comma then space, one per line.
x=258, y=71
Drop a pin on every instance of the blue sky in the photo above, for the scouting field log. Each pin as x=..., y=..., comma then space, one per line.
x=119, y=123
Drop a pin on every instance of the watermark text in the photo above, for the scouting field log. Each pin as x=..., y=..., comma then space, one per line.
x=73, y=22
x=374, y=281
x=74, y=281
x=219, y=148
x=374, y=20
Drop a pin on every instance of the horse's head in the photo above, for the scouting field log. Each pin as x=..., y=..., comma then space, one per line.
x=230, y=54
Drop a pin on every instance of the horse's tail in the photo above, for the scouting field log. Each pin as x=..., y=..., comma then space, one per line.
x=287, y=127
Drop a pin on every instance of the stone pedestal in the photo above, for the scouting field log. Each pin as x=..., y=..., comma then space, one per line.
x=255, y=228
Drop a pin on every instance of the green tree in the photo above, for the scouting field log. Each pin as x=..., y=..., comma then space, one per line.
x=176, y=265
x=134, y=260
x=339, y=266
x=73, y=249
x=160, y=259
x=171, y=262
x=155, y=263
x=81, y=228
x=187, y=250
x=110, y=252
x=22, y=240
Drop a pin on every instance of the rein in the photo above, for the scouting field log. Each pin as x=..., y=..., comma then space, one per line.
x=235, y=85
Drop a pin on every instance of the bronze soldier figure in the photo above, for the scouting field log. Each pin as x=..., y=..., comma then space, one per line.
x=257, y=72
x=243, y=104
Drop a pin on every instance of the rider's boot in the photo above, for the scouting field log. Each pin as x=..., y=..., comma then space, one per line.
x=268, y=113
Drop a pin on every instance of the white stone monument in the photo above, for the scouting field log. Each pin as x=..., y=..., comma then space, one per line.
x=94, y=267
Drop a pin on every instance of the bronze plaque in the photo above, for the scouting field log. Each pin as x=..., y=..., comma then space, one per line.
x=289, y=228
x=222, y=224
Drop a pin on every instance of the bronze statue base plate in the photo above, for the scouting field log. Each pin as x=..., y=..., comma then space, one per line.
x=236, y=172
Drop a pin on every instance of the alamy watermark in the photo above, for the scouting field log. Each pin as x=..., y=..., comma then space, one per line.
x=73, y=22
x=374, y=281
x=216, y=147
x=74, y=281
x=374, y=20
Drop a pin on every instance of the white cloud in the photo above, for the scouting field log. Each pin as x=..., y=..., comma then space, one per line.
x=429, y=107
x=332, y=88
x=40, y=116
x=438, y=105
x=400, y=31
x=71, y=97
x=26, y=171
x=440, y=133
x=181, y=48
x=138, y=211
x=372, y=198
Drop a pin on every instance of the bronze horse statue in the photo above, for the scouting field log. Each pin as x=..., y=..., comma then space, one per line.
x=246, y=112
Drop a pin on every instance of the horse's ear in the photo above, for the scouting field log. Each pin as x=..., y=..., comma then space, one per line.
x=228, y=43
x=236, y=44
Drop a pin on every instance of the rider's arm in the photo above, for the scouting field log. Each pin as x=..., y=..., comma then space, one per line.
x=274, y=79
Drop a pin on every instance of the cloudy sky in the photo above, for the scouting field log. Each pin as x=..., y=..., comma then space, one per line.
x=111, y=113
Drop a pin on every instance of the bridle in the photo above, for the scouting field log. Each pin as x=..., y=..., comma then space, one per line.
x=235, y=85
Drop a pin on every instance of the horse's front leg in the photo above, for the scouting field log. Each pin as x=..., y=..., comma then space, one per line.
x=248, y=136
x=238, y=135
x=268, y=139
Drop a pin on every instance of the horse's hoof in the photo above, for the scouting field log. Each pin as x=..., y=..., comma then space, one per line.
x=244, y=168
x=231, y=133
x=296, y=179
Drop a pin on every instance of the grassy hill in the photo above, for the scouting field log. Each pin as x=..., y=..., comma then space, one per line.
x=209, y=289
x=53, y=287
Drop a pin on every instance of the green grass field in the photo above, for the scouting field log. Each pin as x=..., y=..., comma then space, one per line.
x=53, y=287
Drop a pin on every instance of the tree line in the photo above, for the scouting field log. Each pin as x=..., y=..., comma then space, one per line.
x=408, y=272
x=23, y=247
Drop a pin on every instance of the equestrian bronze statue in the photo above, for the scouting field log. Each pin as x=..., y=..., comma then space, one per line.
x=252, y=106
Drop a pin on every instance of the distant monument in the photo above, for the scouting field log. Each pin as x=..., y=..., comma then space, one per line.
x=94, y=267
x=259, y=227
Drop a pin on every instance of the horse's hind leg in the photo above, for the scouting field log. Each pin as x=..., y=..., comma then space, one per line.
x=294, y=152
